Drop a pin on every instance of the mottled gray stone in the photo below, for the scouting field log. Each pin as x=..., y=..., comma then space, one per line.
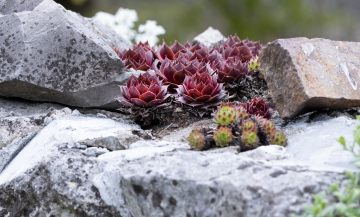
x=111, y=142
x=68, y=130
x=213, y=183
x=308, y=74
x=60, y=185
x=19, y=118
x=10, y=151
x=15, y=6
x=58, y=175
x=51, y=54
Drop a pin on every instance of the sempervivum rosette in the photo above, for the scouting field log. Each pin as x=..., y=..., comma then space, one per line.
x=164, y=52
x=231, y=70
x=140, y=57
x=201, y=90
x=143, y=91
x=173, y=72
x=257, y=107
x=245, y=49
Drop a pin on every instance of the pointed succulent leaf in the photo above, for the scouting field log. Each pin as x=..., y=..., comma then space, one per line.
x=176, y=47
x=166, y=52
x=142, y=88
x=147, y=96
x=169, y=72
x=179, y=76
x=196, y=47
x=139, y=102
x=134, y=93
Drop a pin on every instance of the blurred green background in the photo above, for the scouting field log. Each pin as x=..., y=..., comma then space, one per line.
x=264, y=20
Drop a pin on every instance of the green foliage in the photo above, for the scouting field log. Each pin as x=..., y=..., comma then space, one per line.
x=249, y=137
x=225, y=115
x=340, y=199
x=223, y=136
x=196, y=140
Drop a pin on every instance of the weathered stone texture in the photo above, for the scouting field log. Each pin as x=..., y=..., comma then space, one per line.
x=54, y=174
x=50, y=54
x=308, y=74
x=19, y=118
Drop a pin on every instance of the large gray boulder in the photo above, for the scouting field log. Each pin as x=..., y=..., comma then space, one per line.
x=308, y=74
x=51, y=54
x=55, y=173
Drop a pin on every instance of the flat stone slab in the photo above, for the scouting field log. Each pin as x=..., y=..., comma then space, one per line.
x=70, y=130
x=307, y=74
x=165, y=178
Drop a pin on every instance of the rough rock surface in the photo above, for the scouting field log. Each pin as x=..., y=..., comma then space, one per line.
x=56, y=174
x=308, y=74
x=214, y=183
x=19, y=118
x=68, y=132
x=50, y=54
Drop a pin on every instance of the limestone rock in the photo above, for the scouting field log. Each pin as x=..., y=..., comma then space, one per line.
x=15, y=6
x=108, y=35
x=54, y=174
x=18, y=118
x=209, y=37
x=59, y=185
x=308, y=74
x=10, y=151
x=51, y=54
x=67, y=130
x=209, y=184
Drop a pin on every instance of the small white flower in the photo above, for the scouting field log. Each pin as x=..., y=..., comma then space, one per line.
x=151, y=28
x=105, y=18
x=126, y=17
x=151, y=39
x=123, y=22
x=125, y=32
x=149, y=32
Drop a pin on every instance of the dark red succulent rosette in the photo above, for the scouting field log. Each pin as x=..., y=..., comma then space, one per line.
x=144, y=91
x=140, y=57
x=257, y=107
x=164, y=52
x=173, y=72
x=231, y=70
x=244, y=50
x=201, y=90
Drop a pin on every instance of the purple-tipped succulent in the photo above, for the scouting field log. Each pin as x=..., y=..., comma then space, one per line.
x=164, y=52
x=201, y=90
x=173, y=72
x=177, y=47
x=140, y=57
x=258, y=107
x=245, y=50
x=231, y=70
x=143, y=91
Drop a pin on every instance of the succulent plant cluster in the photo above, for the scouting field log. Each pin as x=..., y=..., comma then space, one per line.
x=236, y=126
x=145, y=91
x=258, y=107
x=194, y=74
